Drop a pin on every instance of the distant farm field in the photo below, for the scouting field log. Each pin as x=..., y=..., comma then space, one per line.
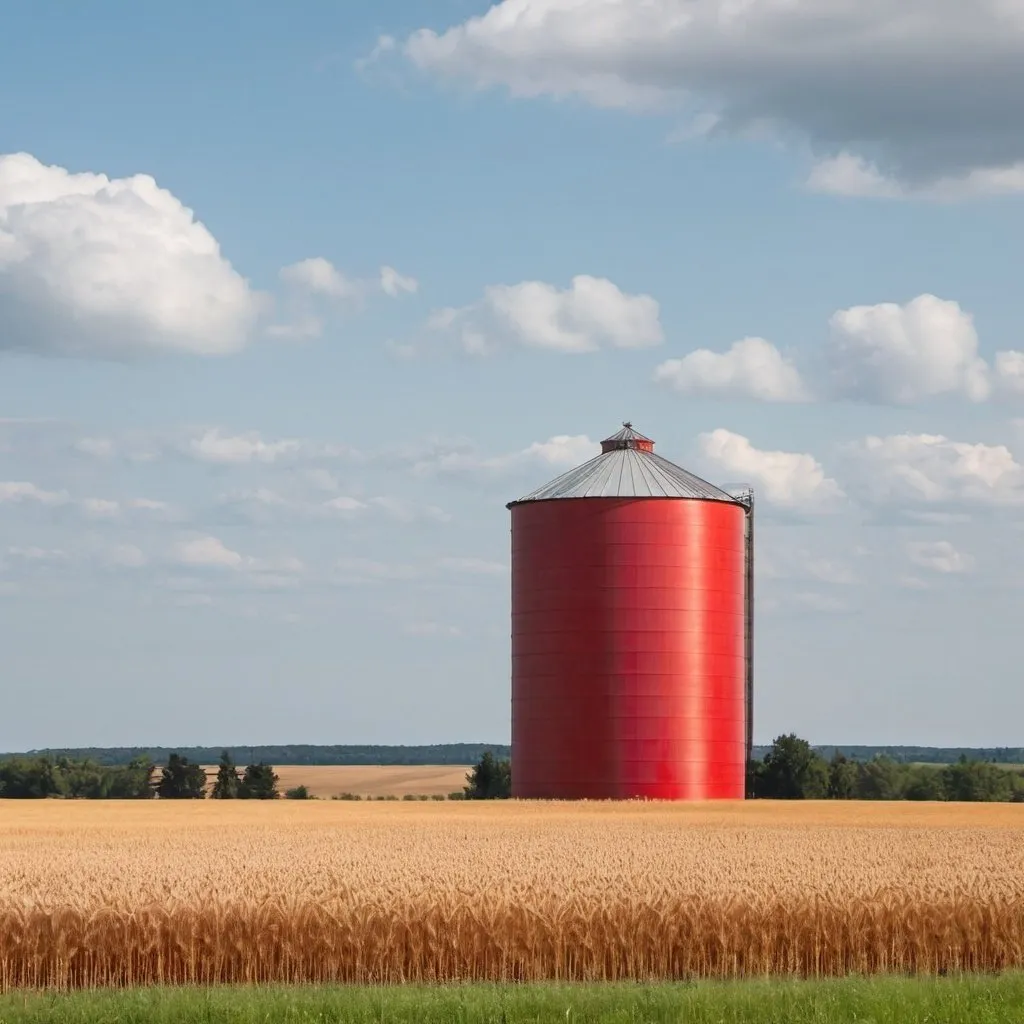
x=372, y=780
x=107, y=893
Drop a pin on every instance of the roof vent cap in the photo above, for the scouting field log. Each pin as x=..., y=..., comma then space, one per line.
x=627, y=437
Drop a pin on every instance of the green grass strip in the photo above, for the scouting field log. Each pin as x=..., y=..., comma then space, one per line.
x=966, y=1000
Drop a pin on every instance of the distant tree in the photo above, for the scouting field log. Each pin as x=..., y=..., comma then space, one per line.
x=83, y=780
x=29, y=778
x=977, y=780
x=133, y=781
x=181, y=780
x=842, y=777
x=881, y=778
x=489, y=779
x=298, y=793
x=792, y=770
x=924, y=782
x=258, y=783
x=227, y=783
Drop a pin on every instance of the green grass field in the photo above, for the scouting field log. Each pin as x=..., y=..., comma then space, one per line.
x=968, y=1000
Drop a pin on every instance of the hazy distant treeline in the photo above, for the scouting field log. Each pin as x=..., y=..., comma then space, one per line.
x=467, y=753
x=293, y=754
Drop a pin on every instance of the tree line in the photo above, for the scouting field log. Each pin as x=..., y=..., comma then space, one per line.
x=139, y=779
x=791, y=769
x=794, y=770
x=291, y=754
x=465, y=753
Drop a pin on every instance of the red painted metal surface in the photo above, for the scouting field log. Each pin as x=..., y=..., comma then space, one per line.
x=628, y=649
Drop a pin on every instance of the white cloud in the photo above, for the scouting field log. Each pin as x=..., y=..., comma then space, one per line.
x=94, y=266
x=751, y=368
x=345, y=504
x=590, y=314
x=18, y=491
x=886, y=353
x=208, y=552
x=866, y=82
x=238, y=449
x=939, y=556
x=394, y=284
x=96, y=447
x=100, y=508
x=563, y=451
x=793, y=480
x=1009, y=372
x=319, y=276
x=848, y=175
x=932, y=469
x=902, y=354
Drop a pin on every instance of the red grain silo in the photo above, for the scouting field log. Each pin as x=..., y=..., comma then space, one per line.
x=631, y=632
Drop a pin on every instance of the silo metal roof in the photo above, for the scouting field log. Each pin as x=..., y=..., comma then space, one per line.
x=628, y=468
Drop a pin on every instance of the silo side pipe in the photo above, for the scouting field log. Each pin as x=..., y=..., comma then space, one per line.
x=748, y=635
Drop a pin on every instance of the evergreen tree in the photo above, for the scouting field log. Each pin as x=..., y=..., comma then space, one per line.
x=489, y=779
x=227, y=783
x=259, y=783
x=181, y=780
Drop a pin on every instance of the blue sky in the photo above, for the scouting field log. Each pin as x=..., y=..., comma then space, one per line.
x=357, y=275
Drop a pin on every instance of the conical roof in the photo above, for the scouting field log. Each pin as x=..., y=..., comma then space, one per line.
x=628, y=468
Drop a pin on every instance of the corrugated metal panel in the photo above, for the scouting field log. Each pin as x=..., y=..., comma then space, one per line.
x=627, y=468
x=628, y=668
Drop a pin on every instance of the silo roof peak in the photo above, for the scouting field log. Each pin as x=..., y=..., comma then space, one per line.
x=627, y=437
x=628, y=468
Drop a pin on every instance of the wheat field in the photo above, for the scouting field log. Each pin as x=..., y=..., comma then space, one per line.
x=106, y=893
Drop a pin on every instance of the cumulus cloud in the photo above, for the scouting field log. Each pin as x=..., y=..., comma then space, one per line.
x=590, y=314
x=316, y=286
x=867, y=84
x=111, y=267
x=319, y=276
x=1009, y=372
x=208, y=552
x=928, y=469
x=846, y=174
x=95, y=447
x=211, y=553
x=238, y=449
x=563, y=451
x=21, y=491
x=791, y=480
x=939, y=556
x=394, y=284
x=888, y=354
x=101, y=508
x=901, y=354
x=751, y=368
